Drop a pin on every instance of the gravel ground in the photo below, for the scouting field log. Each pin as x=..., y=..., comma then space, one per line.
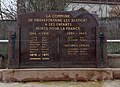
x=64, y=84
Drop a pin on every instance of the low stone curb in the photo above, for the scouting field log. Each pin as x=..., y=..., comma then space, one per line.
x=56, y=74
x=59, y=74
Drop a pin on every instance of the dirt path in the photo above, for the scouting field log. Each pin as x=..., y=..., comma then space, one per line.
x=64, y=84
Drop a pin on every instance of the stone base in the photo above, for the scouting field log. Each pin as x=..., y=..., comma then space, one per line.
x=57, y=74
x=116, y=73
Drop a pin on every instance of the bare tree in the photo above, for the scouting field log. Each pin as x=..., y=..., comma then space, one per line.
x=115, y=11
x=1, y=11
x=14, y=7
x=8, y=9
x=26, y=6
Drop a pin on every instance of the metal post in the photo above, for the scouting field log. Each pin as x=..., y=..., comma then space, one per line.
x=102, y=62
x=13, y=44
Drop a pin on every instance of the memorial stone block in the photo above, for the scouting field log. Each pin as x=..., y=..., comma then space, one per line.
x=58, y=39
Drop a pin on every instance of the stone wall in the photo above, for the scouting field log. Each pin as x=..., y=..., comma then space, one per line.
x=114, y=60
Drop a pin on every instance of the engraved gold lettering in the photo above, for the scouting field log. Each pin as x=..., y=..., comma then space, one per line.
x=78, y=20
x=33, y=54
x=66, y=20
x=34, y=49
x=82, y=33
x=45, y=33
x=45, y=54
x=35, y=58
x=84, y=45
x=71, y=45
x=32, y=33
x=45, y=58
x=70, y=33
x=72, y=28
x=30, y=20
x=47, y=20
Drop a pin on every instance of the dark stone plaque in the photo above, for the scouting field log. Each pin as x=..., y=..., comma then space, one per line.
x=58, y=39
